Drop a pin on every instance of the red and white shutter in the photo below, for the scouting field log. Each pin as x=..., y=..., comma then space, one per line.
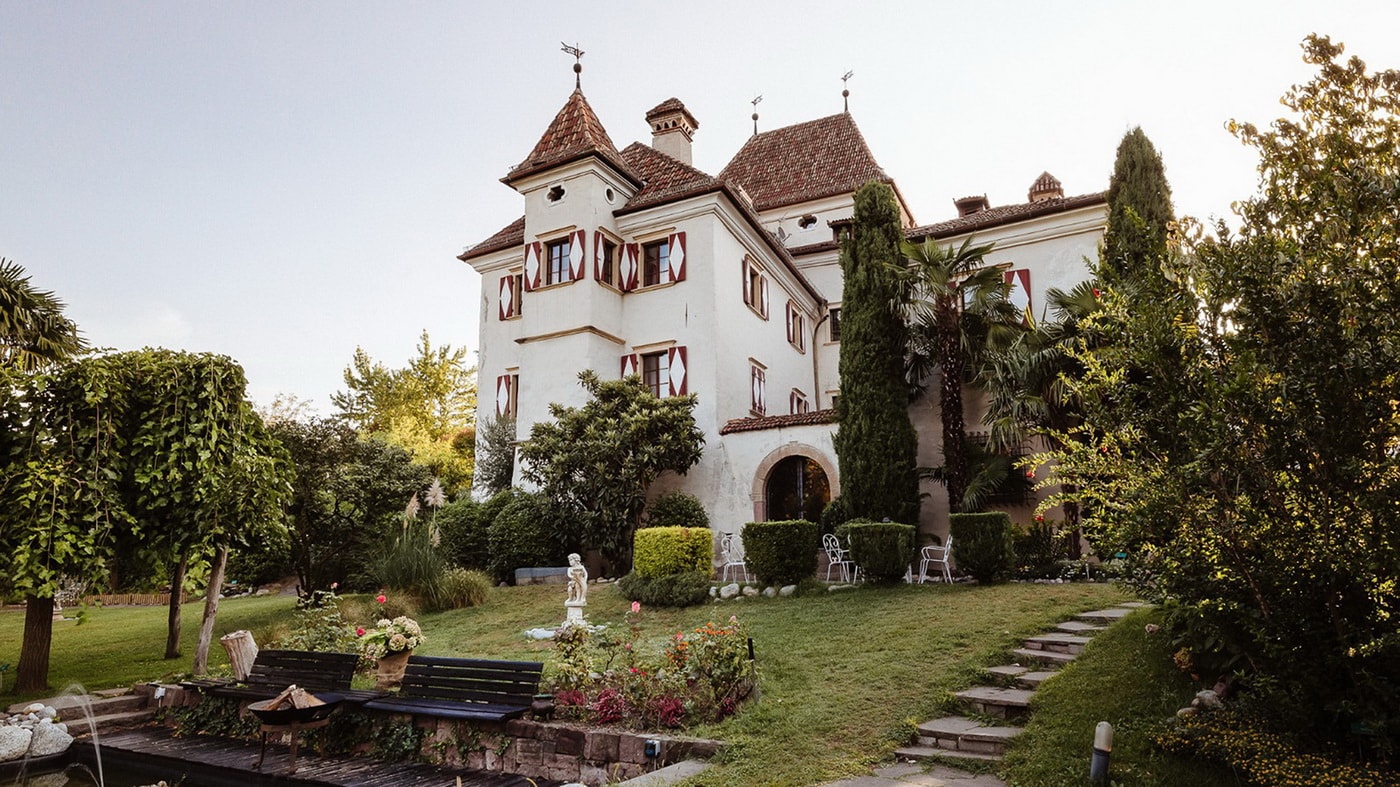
x=597, y=255
x=577, y=255
x=676, y=361
x=763, y=296
x=1020, y=292
x=629, y=365
x=675, y=270
x=532, y=266
x=503, y=395
x=507, y=309
x=630, y=256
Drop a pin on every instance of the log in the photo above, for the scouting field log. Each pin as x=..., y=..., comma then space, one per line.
x=242, y=652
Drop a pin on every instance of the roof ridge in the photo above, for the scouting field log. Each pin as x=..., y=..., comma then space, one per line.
x=575, y=132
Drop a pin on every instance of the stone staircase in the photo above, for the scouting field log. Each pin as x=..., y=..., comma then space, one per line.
x=995, y=710
x=110, y=709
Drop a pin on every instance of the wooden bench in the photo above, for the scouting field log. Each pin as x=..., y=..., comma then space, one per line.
x=275, y=670
x=453, y=688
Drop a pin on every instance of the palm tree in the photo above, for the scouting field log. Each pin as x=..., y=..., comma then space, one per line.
x=33, y=330
x=956, y=308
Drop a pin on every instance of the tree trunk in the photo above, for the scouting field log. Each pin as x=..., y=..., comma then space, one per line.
x=211, y=610
x=33, y=675
x=177, y=592
x=950, y=361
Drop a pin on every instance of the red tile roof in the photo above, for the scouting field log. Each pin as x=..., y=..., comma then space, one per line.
x=804, y=162
x=672, y=104
x=663, y=178
x=778, y=421
x=513, y=234
x=575, y=133
x=1005, y=214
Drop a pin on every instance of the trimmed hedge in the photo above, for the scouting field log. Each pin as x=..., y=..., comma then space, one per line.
x=672, y=590
x=677, y=509
x=661, y=551
x=781, y=552
x=882, y=550
x=834, y=515
x=464, y=533
x=530, y=531
x=984, y=545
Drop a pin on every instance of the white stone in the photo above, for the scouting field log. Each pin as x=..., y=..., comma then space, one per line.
x=540, y=633
x=49, y=739
x=787, y=590
x=770, y=592
x=834, y=588
x=14, y=743
x=750, y=590
x=37, y=707
x=1206, y=699
x=714, y=591
x=729, y=591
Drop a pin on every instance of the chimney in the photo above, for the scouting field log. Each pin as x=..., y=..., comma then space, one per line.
x=672, y=127
x=1045, y=187
x=970, y=205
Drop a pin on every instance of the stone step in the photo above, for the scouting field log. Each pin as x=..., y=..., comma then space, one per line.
x=1058, y=641
x=80, y=728
x=1104, y=615
x=1010, y=671
x=71, y=707
x=1049, y=657
x=1079, y=627
x=996, y=702
x=958, y=733
x=934, y=753
x=1032, y=680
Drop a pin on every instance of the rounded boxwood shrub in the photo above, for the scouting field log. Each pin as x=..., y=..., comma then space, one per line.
x=677, y=509
x=465, y=533
x=530, y=531
x=781, y=552
x=984, y=545
x=882, y=550
x=660, y=551
x=672, y=590
x=834, y=515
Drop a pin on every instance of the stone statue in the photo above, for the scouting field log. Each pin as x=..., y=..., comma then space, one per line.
x=578, y=590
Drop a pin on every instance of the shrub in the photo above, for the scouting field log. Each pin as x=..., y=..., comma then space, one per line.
x=530, y=531
x=318, y=624
x=413, y=563
x=464, y=529
x=1038, y=551
x=882, y=550
x=685, y=589
x=677, y=509
x=458, y=588
x=659, y=551
x=834, y=515
x=266, y=560
x=781, y=552
x=983, y=545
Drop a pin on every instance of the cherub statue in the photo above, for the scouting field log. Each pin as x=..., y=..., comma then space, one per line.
x=578, y=581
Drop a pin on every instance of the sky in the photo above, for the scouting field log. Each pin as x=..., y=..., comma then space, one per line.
x=284, y=182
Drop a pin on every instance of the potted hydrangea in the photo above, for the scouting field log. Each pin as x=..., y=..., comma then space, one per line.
x=390, y=643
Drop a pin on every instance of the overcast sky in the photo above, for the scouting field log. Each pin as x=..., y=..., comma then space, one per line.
x=282, y=182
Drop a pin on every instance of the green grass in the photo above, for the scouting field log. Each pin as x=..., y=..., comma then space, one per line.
x=844, y=676
x=1125, y=677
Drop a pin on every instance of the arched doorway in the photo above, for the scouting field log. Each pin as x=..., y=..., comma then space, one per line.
x=797, y=488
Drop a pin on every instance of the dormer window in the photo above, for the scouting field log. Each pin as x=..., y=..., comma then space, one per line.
x=555, y=194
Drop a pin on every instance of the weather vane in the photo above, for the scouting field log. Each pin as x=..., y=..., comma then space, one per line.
x=578, y=62
x=845, y=92
x=755, y=113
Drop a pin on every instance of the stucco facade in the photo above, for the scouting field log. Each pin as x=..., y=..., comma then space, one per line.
x=727, y=287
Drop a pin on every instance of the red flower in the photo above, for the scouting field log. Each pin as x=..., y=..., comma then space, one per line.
x=381, y=598
x=1103, y=449
x=1030, y=474
x=1040, y=517
x=359, y=632
x=1096, y=292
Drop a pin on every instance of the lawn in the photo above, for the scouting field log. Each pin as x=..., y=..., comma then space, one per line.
x=844, y=675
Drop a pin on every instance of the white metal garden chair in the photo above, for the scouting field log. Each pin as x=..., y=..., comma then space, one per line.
x=731, y=552
x=837, y=558
x=936, y=556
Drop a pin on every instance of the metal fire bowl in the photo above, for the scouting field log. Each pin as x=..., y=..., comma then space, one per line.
x=284, y=716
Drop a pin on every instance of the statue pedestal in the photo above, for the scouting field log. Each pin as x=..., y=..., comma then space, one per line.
x=573, y=611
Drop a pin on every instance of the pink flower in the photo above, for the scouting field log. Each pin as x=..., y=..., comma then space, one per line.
x=636, y=606
x=381, y=598
x=335, y=585
x=360, y=632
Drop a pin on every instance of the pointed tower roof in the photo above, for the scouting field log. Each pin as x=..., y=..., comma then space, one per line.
x=574, y=134
x=803, y=162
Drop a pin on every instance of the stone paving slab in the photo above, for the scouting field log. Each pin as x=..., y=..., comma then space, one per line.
x=1008, y=670
x=1078, y=627
x=1043, y=656
x=906, y=774
x=1034, y=679
x=1105, y=615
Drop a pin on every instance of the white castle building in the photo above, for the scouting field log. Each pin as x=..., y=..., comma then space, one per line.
x=726, y=286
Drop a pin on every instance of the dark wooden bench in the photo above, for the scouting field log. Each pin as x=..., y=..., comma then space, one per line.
x=452, y=688
x=275, y=670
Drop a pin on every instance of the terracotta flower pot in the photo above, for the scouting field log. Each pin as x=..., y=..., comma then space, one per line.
x=389, y=670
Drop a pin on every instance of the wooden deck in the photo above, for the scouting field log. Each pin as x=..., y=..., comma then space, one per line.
x=219, y=761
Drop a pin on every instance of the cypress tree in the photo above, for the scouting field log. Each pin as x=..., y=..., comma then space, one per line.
x=876, y=445
x=1139, y=209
